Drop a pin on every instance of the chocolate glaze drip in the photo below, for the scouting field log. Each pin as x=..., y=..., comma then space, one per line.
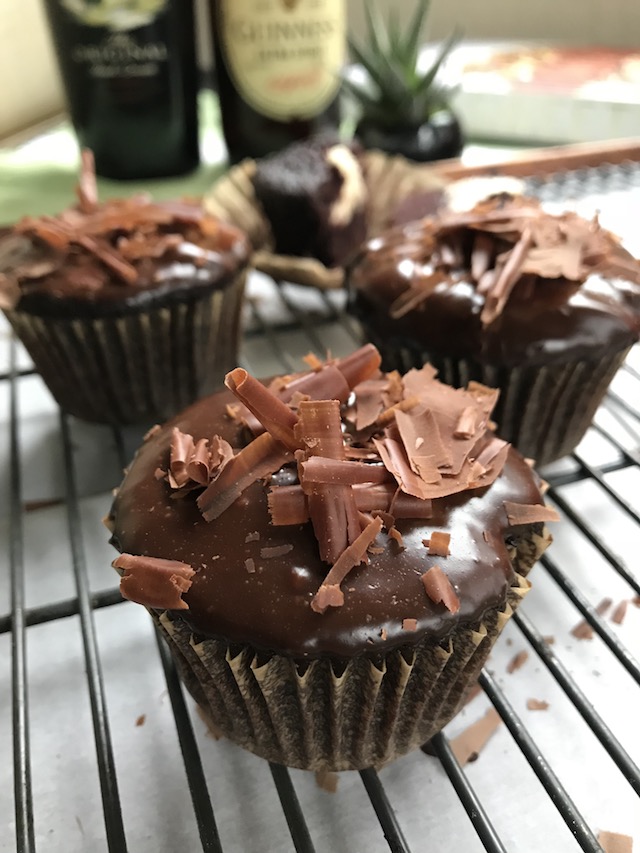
x=270, y=606
x=544, y=320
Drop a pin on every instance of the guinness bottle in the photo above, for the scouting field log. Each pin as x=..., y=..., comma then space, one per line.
x=278, y=66
x=130, y=75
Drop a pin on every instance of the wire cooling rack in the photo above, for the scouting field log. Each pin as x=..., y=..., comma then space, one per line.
x=105, y=752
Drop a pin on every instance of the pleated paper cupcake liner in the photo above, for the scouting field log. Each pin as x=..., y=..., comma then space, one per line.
x=142, y=366
x=335, y=715
x=544, y=411
x=389, y=179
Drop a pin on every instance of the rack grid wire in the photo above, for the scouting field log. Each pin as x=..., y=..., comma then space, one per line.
x=598, y=483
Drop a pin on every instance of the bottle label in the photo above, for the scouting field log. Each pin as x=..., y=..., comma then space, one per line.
x=107, y=46
x=120, y=55
x=284, y=56
x=116, y=16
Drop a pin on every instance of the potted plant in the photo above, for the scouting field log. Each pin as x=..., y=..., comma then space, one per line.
x=403, y=109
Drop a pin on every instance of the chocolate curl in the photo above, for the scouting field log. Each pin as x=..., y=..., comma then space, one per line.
x=154, y=582
x=329, y=594
x=197, y=467
x=288, y=504
x=332, y=508
x=276, y=417
x=319, y=469
x=497, y=297
x=109, y=257
x=87, y=189
x=529, y=513
x=421, y=437
x=395, y=460
x=263, y=457
x=328, y=383
x=439, y=589
x=360, y=365
x=418, y=292
x=181, y=452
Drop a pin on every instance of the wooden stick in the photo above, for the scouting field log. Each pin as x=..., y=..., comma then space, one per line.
x=545, y=161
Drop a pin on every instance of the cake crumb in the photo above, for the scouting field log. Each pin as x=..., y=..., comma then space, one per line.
x=409, y=624
x=636, y=600
x=614, y=842
x=549, y=639
x=468, y=745
x=517, y=661
x=620, y=611
x=327, y=780
x=141, y=720
x=537, y=705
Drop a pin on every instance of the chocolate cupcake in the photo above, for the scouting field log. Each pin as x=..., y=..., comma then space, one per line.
x=543, y=307
x=308, y=208
x=330, y=557
x=129, y=308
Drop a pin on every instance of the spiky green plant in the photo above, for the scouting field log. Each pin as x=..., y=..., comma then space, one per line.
x=397, y=94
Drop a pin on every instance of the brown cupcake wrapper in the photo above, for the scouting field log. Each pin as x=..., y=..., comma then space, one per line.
x=142, y=366
x=336, y=717
x=389, y=180
x=544, y=411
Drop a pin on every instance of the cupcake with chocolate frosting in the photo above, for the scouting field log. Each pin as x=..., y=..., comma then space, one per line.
x=543, y=307
x=331, y=555
x=129, y=308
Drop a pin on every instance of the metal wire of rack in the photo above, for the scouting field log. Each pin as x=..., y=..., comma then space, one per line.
x=282, y=323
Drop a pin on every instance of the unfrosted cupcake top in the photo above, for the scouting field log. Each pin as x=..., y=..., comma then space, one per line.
x=505, y=283
x=106, y=256
x=340, y=511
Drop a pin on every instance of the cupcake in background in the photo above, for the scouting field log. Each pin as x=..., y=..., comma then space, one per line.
x=542, y=307
x=330, y=558
x=129, y=308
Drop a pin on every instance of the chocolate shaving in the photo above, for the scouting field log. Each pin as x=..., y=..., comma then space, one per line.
x=409, y=624
x=275, y=551
x=332, y=509
x=615, y=842
x=252, y=537
x=329, y=592
x=517, y=661
x=439, y=589
x=275, y=416
x=141, y=720
x=250, y=565
x=468, y=745
x=312, y=360
x=154, y=582
x=583, y=630
x=619, y=612
x=529, y=513
x=327, y=780
x=193, y=466
x=438, y=544
x=87, y=189
x=319, y=469
x=264, y=456
x=537, y=705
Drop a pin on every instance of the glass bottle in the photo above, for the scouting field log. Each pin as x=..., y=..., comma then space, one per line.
x=131, y=81
x=278, y=65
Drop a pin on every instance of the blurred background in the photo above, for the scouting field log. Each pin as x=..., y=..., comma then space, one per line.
x=32, y=89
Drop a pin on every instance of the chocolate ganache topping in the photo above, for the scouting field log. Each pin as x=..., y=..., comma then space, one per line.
x=99, y=258
x=339, y=511
x=505, y=283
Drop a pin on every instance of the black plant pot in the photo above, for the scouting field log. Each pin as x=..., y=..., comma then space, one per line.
x=438, y=138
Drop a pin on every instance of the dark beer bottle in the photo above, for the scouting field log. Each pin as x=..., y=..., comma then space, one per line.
x=131, y=80
x=278, y=66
